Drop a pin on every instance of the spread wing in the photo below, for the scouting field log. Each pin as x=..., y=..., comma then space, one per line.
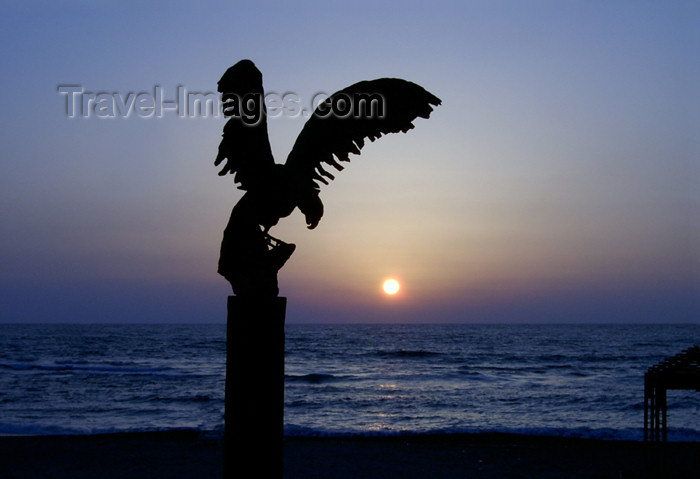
x=340, y=125
x=245, y=146
x=246, y=150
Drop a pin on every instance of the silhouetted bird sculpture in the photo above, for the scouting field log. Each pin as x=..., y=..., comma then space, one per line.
x=250, y=258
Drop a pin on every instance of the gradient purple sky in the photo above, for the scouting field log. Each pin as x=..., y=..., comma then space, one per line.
x=558, y=182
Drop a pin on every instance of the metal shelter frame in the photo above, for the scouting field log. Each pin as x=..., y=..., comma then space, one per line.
x=681, y=371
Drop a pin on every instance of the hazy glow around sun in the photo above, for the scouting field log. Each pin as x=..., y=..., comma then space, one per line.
x=391, y=286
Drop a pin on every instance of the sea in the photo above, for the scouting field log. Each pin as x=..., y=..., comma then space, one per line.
x=343, y=380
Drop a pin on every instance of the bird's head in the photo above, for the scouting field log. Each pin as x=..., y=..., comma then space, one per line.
x=241, y=79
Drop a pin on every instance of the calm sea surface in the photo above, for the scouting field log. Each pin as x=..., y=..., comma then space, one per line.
x=354, y=379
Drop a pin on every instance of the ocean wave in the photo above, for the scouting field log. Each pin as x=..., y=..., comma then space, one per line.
x=629, y=434
x=314, y=378
x=52, y=430
x=406, y=353
x=85, y=367
x=467, y=372
x=400, y=380
x=290, y=430
x=39, y=430
x=196, y=398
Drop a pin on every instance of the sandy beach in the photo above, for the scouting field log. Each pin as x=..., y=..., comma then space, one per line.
x=184, y=454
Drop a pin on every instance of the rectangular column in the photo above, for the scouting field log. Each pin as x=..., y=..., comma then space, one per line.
x=254, y=403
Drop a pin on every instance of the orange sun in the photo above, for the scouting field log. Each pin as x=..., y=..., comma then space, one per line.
x=391, y=286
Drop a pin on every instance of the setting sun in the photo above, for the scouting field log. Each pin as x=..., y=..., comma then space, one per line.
x=391, y=286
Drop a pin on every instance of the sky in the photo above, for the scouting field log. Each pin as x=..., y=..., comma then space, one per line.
x=557, y=182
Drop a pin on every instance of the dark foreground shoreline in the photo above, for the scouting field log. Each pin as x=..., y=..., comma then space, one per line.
x=189, y=454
